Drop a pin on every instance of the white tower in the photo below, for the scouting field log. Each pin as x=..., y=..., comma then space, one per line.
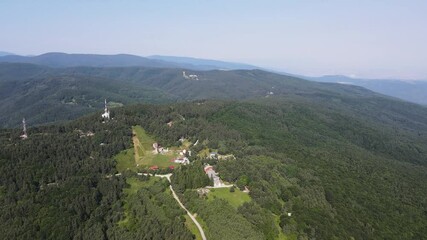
x=106, y=114
x=24, y=129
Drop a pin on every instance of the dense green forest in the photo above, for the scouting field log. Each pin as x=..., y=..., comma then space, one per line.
x=61, y=183
x=341, y=173
x=344, y=167
x=54, y=185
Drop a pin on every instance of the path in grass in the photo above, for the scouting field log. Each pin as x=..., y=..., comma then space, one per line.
x=202, y=233
x=192, y=227
x=136, y=144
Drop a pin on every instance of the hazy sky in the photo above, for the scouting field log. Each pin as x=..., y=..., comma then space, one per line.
x=362, y=38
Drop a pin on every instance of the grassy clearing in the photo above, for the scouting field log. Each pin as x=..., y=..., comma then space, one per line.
x=146, y=142
x=236, y=199
x=186, y=144
x=204, y=153
x=160, y=160
x=136, y=184
x=115, y=104
x=125, y=160
x=144, y=156
x=192, y=227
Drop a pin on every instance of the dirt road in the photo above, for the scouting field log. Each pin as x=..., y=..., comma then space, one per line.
x=202, y=233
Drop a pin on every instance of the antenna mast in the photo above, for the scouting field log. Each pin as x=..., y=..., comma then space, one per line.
x=24, y=129
x=106, y=114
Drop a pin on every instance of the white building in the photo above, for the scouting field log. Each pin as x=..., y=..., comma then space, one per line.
x=106, y=114
x=183, y=161
x=213, y=175
x=24, y=130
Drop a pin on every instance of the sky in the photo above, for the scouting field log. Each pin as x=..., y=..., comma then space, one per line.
x=358, y=38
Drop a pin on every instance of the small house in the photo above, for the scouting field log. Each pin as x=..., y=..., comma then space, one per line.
x=213, y=155
x=182, y=160
x=154, y=168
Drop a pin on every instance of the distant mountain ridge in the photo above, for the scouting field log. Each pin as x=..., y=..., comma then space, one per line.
x=205, y=63
x=5, y=53
x=412, y=91
x=56, y=94
x=93, y=60
x=57, y=59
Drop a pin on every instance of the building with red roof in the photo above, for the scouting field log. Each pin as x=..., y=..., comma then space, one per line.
x=155, y=167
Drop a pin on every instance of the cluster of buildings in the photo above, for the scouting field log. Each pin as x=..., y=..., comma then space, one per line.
x=190, y=77
x=85, y=134
x=183, y=159
x=159, y=149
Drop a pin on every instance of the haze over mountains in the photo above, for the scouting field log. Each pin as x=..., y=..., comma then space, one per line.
x=5, y=53
x=56, y=59
x=206, y=63
x=413, y=91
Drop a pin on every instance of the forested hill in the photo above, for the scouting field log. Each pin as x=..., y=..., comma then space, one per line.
x=58, y=59
x=344, y=167
x=45, y=95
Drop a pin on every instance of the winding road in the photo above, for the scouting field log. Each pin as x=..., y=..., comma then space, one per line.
x=168, y=177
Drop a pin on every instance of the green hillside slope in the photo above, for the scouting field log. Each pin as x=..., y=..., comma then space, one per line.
x=343, y=167
x=341, y=173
